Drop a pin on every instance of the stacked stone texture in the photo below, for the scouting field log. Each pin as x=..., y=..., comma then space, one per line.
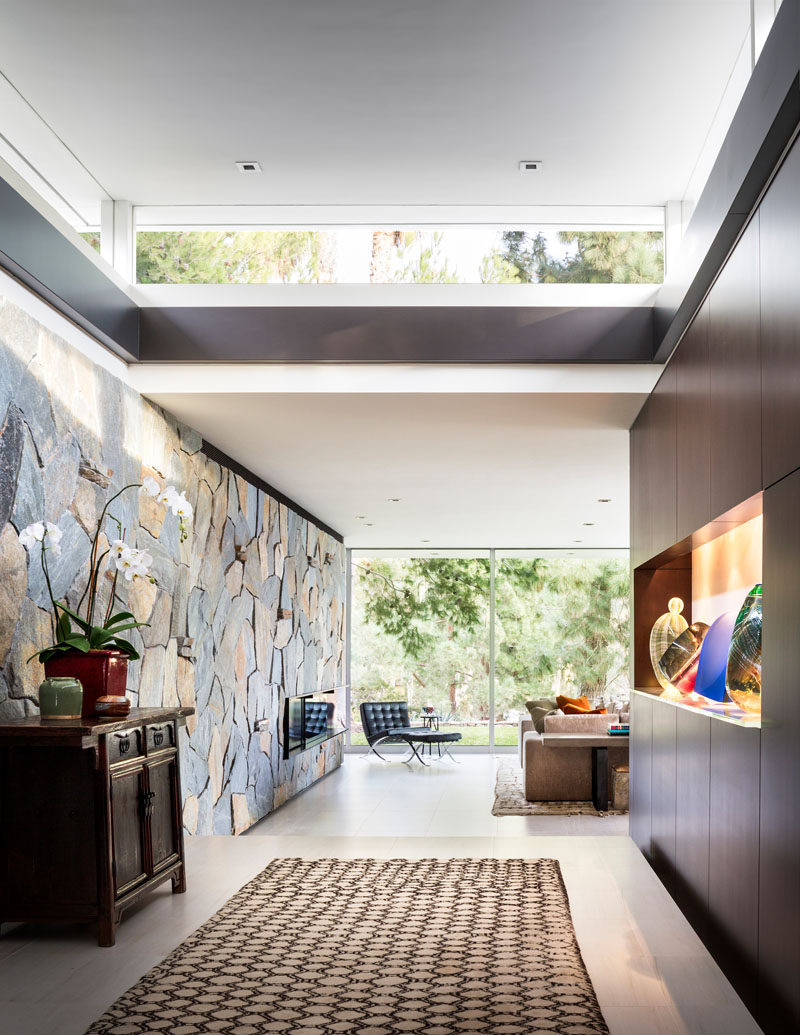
x=249, y=610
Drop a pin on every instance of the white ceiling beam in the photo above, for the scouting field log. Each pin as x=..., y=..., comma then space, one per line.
x=233, y=217
x=514, y=295
x=401, y=378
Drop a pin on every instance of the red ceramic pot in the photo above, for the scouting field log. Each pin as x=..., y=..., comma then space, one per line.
x=102, y=673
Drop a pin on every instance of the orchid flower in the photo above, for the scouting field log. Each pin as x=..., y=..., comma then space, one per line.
x=32, y=535
x=52, y=537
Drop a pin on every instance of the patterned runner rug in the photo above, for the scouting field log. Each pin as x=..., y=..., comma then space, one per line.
x=510, y=800
x=376, y=947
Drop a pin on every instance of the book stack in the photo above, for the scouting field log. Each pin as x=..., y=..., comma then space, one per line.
x=619, y=729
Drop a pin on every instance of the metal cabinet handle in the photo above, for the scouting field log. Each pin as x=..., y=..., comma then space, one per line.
x=124, y=742
x=147, y=803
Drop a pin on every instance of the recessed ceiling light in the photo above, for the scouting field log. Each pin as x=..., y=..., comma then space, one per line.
x=604, y=499
x=530, y=165
x=361, y=517
x=434, y=553
x=369, y=524
x=393, y=499
x=588, y=524
x=248, y=167
x=424, y=540
x=577, y=540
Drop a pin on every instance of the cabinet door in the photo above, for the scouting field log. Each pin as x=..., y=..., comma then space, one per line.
x=162, y=777
x=127, y=824
x=654, y=473
x=779, y=896
x=735, y=377
x=779, y=216
x=693, y=431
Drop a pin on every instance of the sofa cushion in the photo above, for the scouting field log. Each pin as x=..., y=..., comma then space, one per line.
x=543, y=702
x=578, y=723
x=538, y=710
x=538, y=715
x=571, y=709
x=579, y=705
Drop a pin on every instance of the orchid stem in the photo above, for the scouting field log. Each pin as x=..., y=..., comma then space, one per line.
x=93, y=554
x=54, y=619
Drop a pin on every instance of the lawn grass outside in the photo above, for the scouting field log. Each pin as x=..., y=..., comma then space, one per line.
x=471, y=736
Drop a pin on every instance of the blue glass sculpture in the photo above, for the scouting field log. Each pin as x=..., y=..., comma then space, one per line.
x=713, y=664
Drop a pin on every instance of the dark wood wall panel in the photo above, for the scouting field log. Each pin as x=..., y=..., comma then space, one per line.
x=735, y=377
x=780, y=321
x=654, y=472
x=733, y=854
x=663, y=792
x=693, y=764
x=641, y=749
x=779, y=883
x=692, y=375
x=734, y=427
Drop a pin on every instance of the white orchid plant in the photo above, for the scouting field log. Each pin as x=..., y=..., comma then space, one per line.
x=73, y=631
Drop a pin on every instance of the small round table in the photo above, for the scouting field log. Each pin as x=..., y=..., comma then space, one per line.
x=431, y=720
x=413, y=737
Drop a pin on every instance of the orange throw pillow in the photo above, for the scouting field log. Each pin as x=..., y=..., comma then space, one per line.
x=579, y=704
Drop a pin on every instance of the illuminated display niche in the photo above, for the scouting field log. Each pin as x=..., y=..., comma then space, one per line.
x=712, y=662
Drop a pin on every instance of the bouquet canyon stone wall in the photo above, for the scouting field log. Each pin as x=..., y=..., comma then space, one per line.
x=249, y=610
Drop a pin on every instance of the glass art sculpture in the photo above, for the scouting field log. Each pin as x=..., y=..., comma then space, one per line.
x=664, y=631
x=743, y=676
x=713, y=663
x=678, y=663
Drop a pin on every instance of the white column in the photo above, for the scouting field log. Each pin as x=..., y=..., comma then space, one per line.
x=673, y=234
x=117, y=237
x=762, y=15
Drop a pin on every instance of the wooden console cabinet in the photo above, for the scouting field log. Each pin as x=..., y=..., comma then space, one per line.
x=90, y=816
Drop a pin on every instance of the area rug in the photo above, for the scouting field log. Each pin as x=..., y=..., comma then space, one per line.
x=376, y=947
x=509, y=798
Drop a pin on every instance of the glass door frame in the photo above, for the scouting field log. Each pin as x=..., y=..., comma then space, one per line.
x=493, y=747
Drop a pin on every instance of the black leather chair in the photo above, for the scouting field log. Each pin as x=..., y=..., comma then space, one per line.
x=379, y=718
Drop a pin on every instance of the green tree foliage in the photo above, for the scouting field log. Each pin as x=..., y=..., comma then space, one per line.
x=235, y=257
x=594, y=257
x=412, y=600
x=421, y=632
x=423, y=263
x=92, y=238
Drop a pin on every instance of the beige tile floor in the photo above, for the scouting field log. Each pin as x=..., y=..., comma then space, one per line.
x=650, y=971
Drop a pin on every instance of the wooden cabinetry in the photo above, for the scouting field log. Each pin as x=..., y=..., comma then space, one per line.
x=780, y=321
x=694, y=814
x=693, y=433
x=779, y=835
x=90, y=816
x=654, y=472
x=735, y=377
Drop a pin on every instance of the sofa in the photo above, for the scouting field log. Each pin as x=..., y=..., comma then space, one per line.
x=564, y=774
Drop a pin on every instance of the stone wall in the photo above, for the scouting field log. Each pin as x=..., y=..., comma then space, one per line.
x=258, y=590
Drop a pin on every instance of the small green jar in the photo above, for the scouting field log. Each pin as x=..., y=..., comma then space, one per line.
x=61, y=697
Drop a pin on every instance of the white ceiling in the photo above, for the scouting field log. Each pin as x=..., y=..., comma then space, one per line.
x=494, y=466
x=367, y=101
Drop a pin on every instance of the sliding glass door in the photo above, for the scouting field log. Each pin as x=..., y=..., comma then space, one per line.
x=466, y=637
x=561, y=627
x=420, y=633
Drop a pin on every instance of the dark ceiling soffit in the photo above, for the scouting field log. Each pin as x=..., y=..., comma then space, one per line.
x=41, y=257
x=764, y=125
x=384, y=334
x=233, y=465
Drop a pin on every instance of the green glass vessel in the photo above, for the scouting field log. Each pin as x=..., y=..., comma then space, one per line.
x=61, y=697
